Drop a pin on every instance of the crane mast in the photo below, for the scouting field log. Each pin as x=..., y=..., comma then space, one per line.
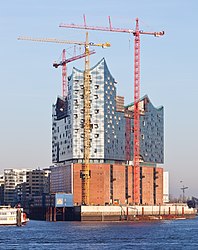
x=64, y=75
x=136, y=135
x=85, y=174
x=136, y=129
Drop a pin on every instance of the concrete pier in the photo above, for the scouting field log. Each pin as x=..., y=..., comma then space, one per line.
x=114, y=213
x=134, y=213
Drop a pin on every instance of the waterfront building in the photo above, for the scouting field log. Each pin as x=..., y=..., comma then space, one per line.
x=61, y=178
x=12, y=177
x=38, y=182
x=111, y=134
x=21, y=185
x=22, y=192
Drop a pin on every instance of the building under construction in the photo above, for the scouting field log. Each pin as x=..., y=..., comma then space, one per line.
x=105, y=153
x=111, y=139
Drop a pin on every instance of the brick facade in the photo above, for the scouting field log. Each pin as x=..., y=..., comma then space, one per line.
x=112, y=183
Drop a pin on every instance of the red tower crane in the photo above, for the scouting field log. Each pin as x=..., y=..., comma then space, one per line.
x=64, y=75
x=63, y=63
x=136, y=149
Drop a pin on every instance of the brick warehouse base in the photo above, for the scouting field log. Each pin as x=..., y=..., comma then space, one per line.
x=112, y=184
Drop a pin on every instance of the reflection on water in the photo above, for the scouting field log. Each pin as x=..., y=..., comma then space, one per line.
x=179, y=234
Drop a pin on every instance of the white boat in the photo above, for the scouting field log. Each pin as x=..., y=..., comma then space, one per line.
x=12, y=216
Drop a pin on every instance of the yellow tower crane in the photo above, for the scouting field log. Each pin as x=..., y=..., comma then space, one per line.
x=85, y=172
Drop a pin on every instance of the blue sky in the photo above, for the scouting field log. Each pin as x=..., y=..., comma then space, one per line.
x=29, y=83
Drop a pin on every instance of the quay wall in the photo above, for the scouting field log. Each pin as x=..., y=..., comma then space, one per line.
x=113, y=213
x=118, y=213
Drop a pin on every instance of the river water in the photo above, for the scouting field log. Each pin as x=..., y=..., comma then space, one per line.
x=176, y=234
